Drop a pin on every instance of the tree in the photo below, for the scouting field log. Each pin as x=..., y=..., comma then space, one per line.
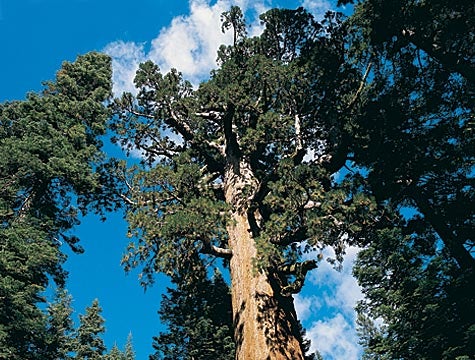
x=88, y=342
x=413, y=136
x=115, y=354
x=425, y=305
x=442, y=29
x=60, y=328
x=199, y=319
x=129, y=352
x=250, y=177
x=421, y=112
x=49, y=170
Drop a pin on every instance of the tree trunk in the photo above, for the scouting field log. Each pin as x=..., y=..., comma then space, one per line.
x=265, y=322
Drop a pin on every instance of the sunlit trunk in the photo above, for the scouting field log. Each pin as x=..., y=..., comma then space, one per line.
x=264, y=321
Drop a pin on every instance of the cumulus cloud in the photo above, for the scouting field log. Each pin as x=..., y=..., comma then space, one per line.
x=326, y=308
x=335, y=338
x=305, y=305
x=190, y=42
x=126, y=57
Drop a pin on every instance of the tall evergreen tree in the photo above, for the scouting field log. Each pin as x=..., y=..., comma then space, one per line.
x=420, y=111
x=198, y=315
x=414, y=137
x=49, y=153
x=115, y=354
x=60, y=329
x=129, y=352
x=88, y=341
x=424, y=304
x=251, y=179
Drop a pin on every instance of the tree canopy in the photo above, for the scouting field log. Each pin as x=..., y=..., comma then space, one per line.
x=50, y=151
x=243, y=167
x=414, y=138
x=313, y=134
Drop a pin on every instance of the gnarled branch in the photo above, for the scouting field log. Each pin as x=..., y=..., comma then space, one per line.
x=211, y=249
x=299, y=270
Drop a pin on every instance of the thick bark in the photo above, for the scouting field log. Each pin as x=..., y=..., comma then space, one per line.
x=265, y=323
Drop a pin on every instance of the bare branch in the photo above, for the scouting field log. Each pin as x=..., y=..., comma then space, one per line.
x=211, y=249
x=128, y=200
x=360, y=88
x=299, y=270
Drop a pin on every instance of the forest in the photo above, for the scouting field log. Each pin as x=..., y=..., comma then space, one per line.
x=346, y=131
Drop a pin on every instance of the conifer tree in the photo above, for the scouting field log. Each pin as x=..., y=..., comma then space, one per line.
x=115, y=354
x=88, y=341
x=198, y=315
x=50, y=155
x=250, y=178
x=60, y=329
x=129, y=352
x=414, y=137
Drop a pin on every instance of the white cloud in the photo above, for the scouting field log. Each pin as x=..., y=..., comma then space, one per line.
x=335, y=338
x=189, y=43
x=318, y=8
x=333, y=295
x=305, y=305
x=126, y=57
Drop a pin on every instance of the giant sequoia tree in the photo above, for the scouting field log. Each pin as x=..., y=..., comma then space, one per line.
x=242, y=168
x=49, y=154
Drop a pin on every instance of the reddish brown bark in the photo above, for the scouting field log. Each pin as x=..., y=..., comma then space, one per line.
x=265, y=322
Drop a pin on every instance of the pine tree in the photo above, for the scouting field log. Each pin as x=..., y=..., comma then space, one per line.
x=129, y=352
x=49, y=154
x=198, y=315
x=115, y=354
x=424, y=302
x=414, y=138
x=60, y=329
x=420, y=110
x=88, y=341
x=251, y=177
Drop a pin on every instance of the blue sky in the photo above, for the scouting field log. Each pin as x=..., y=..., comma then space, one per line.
x=37, y=35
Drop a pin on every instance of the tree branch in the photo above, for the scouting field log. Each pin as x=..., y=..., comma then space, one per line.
x=451, y=62
x=360, y=88
x=299, y=270
x=232, y=146
x=211, y=249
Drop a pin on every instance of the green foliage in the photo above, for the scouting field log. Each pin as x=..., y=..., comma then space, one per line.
x=60, y=330
x=442, y=29
x=127, y=354
x=115, y=354
x=419, y=109
x=275, y=98
x=422, y=299
x=50, y=148
x=88, y=341
x=198, y=315
x=414, y=137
